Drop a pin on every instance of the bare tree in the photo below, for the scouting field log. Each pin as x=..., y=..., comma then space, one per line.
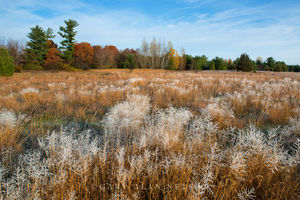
x=16, y=50
x=145, y=53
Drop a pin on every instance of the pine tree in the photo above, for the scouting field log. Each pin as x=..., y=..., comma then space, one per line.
x=6, y=63
x=68, y=34
x=212, y=65
x=37, y=46
x=245, y=63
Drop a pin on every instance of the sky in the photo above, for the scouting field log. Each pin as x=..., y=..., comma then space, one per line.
x=224, y=28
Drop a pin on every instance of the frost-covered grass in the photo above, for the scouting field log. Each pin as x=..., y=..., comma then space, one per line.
x=150, y=135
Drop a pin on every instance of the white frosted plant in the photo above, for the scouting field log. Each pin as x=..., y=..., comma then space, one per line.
x=252, y=140
x=238, y=164
x=10, y=119
x=219, y=109
x=127, y=115
x=61, y=97
x=165, y=126
x=66, y=149
x=247, y=194
x=29, y=90
x=70, y=148
x=201, y=128
x=173, y=119
x=132, y=80
x=2, y=173
x=34, y=165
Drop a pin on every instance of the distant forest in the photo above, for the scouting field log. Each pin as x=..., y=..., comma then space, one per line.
x=42, y=53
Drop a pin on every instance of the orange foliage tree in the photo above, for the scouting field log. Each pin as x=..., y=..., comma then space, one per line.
x=83, y=55
x=111, y=55
x=53, y=59
x=98, y=57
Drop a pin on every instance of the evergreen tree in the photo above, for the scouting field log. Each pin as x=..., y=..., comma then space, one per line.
x=189, y=62
x=200, y=62
x=36, y=46
x=6, y=63
x=245, y=63
x=212, y=65
x=280, y=66
x=271, y=63
x=220, y=63
x=68, y=34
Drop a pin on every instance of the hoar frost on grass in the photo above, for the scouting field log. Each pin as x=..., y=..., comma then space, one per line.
x=74, y=151
x=252, y=141
x=65, y=149
x=219, y=109
x=201, y=128
x=128, y=114
x=9, y=118
x=247, y=194
x=29, y=90
x=132, y=80
x=165, y=126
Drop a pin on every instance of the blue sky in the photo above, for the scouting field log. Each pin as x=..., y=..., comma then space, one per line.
x=224, y=28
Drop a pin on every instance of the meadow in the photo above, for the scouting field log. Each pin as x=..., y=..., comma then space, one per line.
x=150, y=134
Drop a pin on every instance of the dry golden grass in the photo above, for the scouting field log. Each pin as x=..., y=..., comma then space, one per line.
x=169, y=151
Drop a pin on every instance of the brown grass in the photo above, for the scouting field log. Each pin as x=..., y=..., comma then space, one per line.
x=86, y=97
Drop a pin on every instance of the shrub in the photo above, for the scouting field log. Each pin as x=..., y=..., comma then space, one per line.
x=18, y=68
x=32, y=66
x=67, y=67
x=6, y=63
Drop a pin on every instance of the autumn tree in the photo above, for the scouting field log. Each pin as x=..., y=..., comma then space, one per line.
x=53, y=59
x=105, y=57
x=98, y=57
x=110, y=54
x=68, y=34
x=174, y=57
x=83, y=55
x=127, y=59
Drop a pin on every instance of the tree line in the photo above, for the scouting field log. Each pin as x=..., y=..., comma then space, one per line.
x=42, y=53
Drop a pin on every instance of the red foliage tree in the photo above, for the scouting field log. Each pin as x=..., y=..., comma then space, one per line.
x=83, y=55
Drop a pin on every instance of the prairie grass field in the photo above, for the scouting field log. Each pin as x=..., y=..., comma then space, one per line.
x=150, y=134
